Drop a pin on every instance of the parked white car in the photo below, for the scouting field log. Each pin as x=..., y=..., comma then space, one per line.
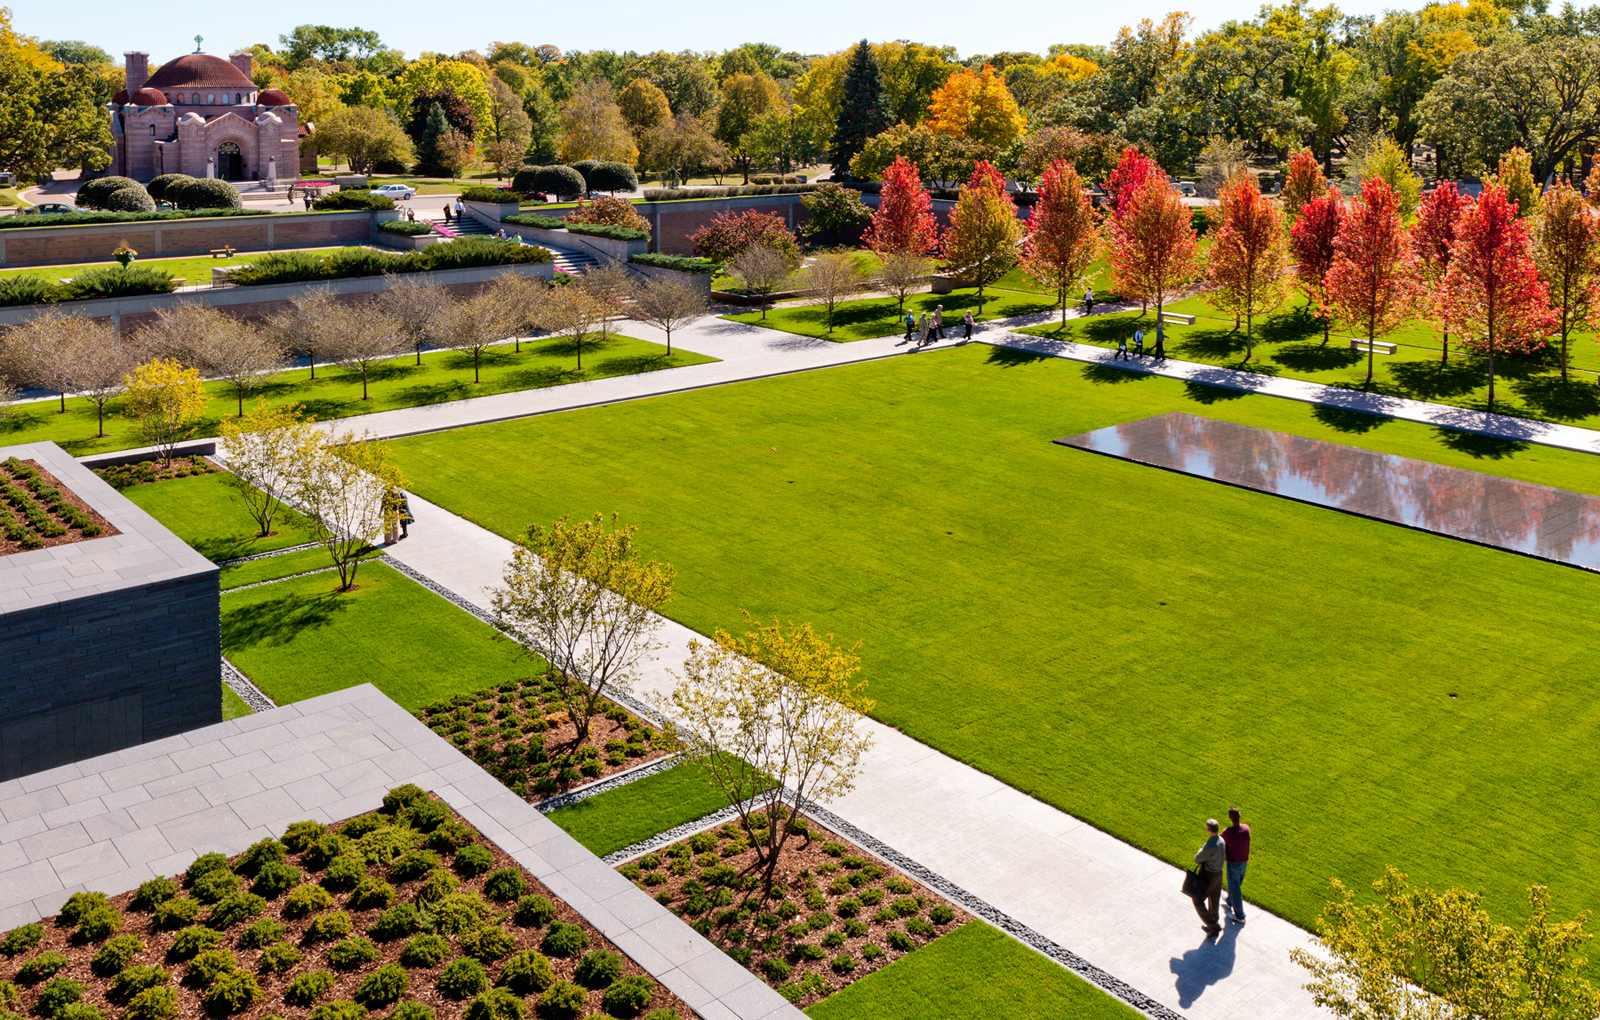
x=395, y=191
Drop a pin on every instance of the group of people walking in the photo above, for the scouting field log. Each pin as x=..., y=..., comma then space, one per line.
x=929, y=330
x=1226, y=853
x=459, y=209
x=1160, y=352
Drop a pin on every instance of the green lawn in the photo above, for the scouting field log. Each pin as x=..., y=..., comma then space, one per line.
x=297, y=639
x=336, y=392
x=205, y=512
x=1138, y=647
x=607, y=822
x=193, y=269
x=864, y=318
x=974, y=973
x=233, y=706
x=287, y=565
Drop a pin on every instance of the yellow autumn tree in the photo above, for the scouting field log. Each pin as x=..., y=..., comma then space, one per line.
x=1066, y=65
x=24, y=49
x=167, y=400
x=976, y=105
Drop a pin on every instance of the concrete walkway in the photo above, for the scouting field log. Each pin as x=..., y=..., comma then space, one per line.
x=1092, y=894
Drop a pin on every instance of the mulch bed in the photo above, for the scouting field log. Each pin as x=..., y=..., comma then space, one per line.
x=143, y=472
x=521, y=734
x=836, y=914
x=386, y=836
x=38, y=512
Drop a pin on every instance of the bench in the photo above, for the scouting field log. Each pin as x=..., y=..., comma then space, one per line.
x=222, y=253
x=1381, y=346
x=1177, y=318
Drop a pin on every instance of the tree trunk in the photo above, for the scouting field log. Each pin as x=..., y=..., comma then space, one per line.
x=1371, y=350
x=102, y=434
x=1563, y=348
x=239, y=390
x=1445, y=354
x=476, y=351
x=63, y=403
x=364, y=382
x=669, y=343
x=313, y=356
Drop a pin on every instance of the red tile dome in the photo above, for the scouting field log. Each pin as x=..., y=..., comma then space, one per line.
x=121, y=97
x=148, y=96
x=199, y=71
x=274, y=97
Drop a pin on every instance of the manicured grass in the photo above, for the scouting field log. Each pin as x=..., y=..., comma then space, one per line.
x=233, y=706
x=336, y=392
x=974, y=973
x=299, y=638
x=865, y=318
x=610, y=821
x=205, y=512
x=1136, y=647
x=194, y=270
x=274, y=567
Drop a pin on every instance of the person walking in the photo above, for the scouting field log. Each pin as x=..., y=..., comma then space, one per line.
x=1088, y=301
x=1237, y=839
x=1160, y=351
x=308, y=201
x=911, y=324
x=1211, y=857
x=459, y=209
x=1138, y=344
x=938, y=322
x=406, y=520
x=966, y=320
x=1122, y=347
x=922, y=329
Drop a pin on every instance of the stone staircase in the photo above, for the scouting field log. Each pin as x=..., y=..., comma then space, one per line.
x=469, y=225
x=575, y=262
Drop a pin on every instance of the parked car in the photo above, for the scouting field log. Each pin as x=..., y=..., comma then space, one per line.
x=395, y=191
x=52, y=207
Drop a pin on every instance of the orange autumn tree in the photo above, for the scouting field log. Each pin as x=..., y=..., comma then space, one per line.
x=1566, y=248
x=976, y=105
x=1064, y=233
x=981, y=243
x=1433, y=243
x=1311, y=249
x=1493, y=292
x=1372, y=283
x=1303, y=182
x=1250, y=257
x=1154, y=251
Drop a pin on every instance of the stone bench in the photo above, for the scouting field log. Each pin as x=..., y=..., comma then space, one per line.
x=1381, y=346
x=1177, y=318
x=222, y=253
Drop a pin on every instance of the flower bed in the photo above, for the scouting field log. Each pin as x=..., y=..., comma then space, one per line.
x=37, y=511
x=522, y=735
x=405, y=913
x=837, y=914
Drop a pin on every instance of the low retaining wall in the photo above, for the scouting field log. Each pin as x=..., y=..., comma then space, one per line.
x=701, y=280
x=603, y=248
x=93, y=242
x=260, y=302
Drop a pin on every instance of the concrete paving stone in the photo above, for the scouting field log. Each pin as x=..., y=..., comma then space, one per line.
x=229, y=767
x=337, y=756
x=29, y=882
x=43, y=845
x=175, y=863
x=463, y=768
x=148, y=750
x=180, y=780
x=17, y=915
x=144, y=846
x=753, y=998
x=400, y=765
x=10, y=788
x=11, y=856
x=313, y=744
x=208, y=753
x=84, y=788
x=161, y=809
x=688, y=989
x=315, y=723
x=210, y=828
x=268, y=808
x=351, y=805
x=674, y=939
x=117, y=882
x=227, y=791
x=140, y=772
x=88, y=863
x=312, y=793
x=630, y=906
x=10, y=832
x=51, y=777
x=110, y=824
x=640, y=951
x=35, y=803
x=717, y=1010
x=257, y=738
x=717, y=973
x=564, y=853
x=126, y=797
x=359, y=777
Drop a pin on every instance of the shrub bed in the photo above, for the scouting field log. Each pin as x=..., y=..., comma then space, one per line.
x=483, y=193
x=486, y=962
x=78, y=219
x=682, y=263
x=37, y=511
x=405, y=228
x=730, y=191
x=98, y=282
x=143, y=472
x=353, y=200
x=521, y=734
x=463, y=253
x=836, y=914
x=535, y=220
x=606, y=230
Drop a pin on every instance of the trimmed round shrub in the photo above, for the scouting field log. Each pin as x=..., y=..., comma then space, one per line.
x=176, y=913
x=942, y=914
x=900, y=942
x=411, y=1011
x=230, y=910
x=402, y=797
x=193, y=941
x=557, y=180
x=361, y=825
x=276, y=878
x=344, y=872
x=452, y=835
x=844, y=963
x=204, y=865
x=260, y=854
x=427, y=815
x=329, y=845
x=534, y=911
x=564, y=940
x=278, y=958
x=414, y=865
x=397, y=922
x=473, y=860
x=205, y=193
x=425, y=951
x=352, y=953
x=463, y=979
x=20, y=940
x=329, y=927
x=917, y=926
x=262, y=933
x=776, y=968
x=383, y=986
x=489, y=942
x=561, y=1001
x=371, y=893
x=307, y=899
x=527, y=973
x=158, y=187
x=233, y=992
x=308, y=988
x=132, y=199
x=93, y=194
x=153, y=893
x=214, y=885
x=628, y=996
x=116, y=954
x=339, y=1009
x=60, y=992
x=458, y=912
x=131, y=982
x=610, y=176
x=299, y=836
x=100, y=923
x=598, y=969
x=80, y=1011
x=504, y=885
x=495, y=1004
x=41, y=967
x=79, y=905
x=210, y=965
x=153, y=1004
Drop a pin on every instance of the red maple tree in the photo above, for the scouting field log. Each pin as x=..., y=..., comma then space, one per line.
x=1371, y=282
x=1431, y=242
x=1303, y=182
x=904, y=222
x=1154, y=250
x=1492, y=290
x=1133, y=169
x=1249, y=258
x=981, y=244
x=1064, y=233
x=1311, y=250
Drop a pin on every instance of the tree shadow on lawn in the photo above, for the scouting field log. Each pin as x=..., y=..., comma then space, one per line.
x=1342, y=420
x=1479, y=446
x=277, y=622
x=231, y=547
x=1564, y=401
x=1313, y=357
x=1011, y=357
x=1433, y=380
x=1203, y=344
x=1201, y=393
x=1111, y=375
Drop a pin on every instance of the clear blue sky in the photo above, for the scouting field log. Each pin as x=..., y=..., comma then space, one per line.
x=820, y=26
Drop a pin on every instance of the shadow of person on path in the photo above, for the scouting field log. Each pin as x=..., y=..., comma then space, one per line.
x=1204, y=966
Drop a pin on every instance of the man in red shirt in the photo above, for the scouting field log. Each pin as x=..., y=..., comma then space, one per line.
x=1237, y=838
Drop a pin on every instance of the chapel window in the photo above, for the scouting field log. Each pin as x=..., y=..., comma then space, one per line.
x=211, y=97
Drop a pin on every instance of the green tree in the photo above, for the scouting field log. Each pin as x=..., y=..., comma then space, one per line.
x=861, y=106
x=682, y=77
x=50, y=119
x=320, y=42
x=365, y=136
x=508, y=130
x=746, y=98
x=75, y=51
x=434, y=76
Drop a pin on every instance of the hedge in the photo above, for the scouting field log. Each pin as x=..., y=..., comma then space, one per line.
x=610, y=176
x=99, y=282
x=204, y=193
x=480, y=193
x=405, y=228
x=462, y=253
x=353, y=200
x=535, y=220
x=605, y=230
x=558, y=179
x=732, y=191
x=129, y=200
x=79, y=219
x=158, y=187
x=682, y=263
x=93, y=193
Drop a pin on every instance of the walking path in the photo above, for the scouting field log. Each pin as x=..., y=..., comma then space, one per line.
x=1113, y=905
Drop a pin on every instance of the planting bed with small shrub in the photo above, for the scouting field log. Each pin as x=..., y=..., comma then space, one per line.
x=836, y=913
x=405, y=228
x=144, y=472
x=80, y=218
x=521, y=733
x=682, y=263
x=341, y=263
x=37, y=511
x=375, y=917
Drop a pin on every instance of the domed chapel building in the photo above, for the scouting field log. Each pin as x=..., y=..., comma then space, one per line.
x=201, y=115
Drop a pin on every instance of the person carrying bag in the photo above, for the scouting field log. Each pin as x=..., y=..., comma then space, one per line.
x=1203, y=886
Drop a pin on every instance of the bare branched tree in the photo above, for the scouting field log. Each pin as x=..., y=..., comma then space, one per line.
x=217, y=345
x=418, y=305
x=830, y=276
x=569, y=311
x=361, y=335
x=610, y=286
x=901, y=274
x=761, y=269
x=296, y=326
x=667, y=304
